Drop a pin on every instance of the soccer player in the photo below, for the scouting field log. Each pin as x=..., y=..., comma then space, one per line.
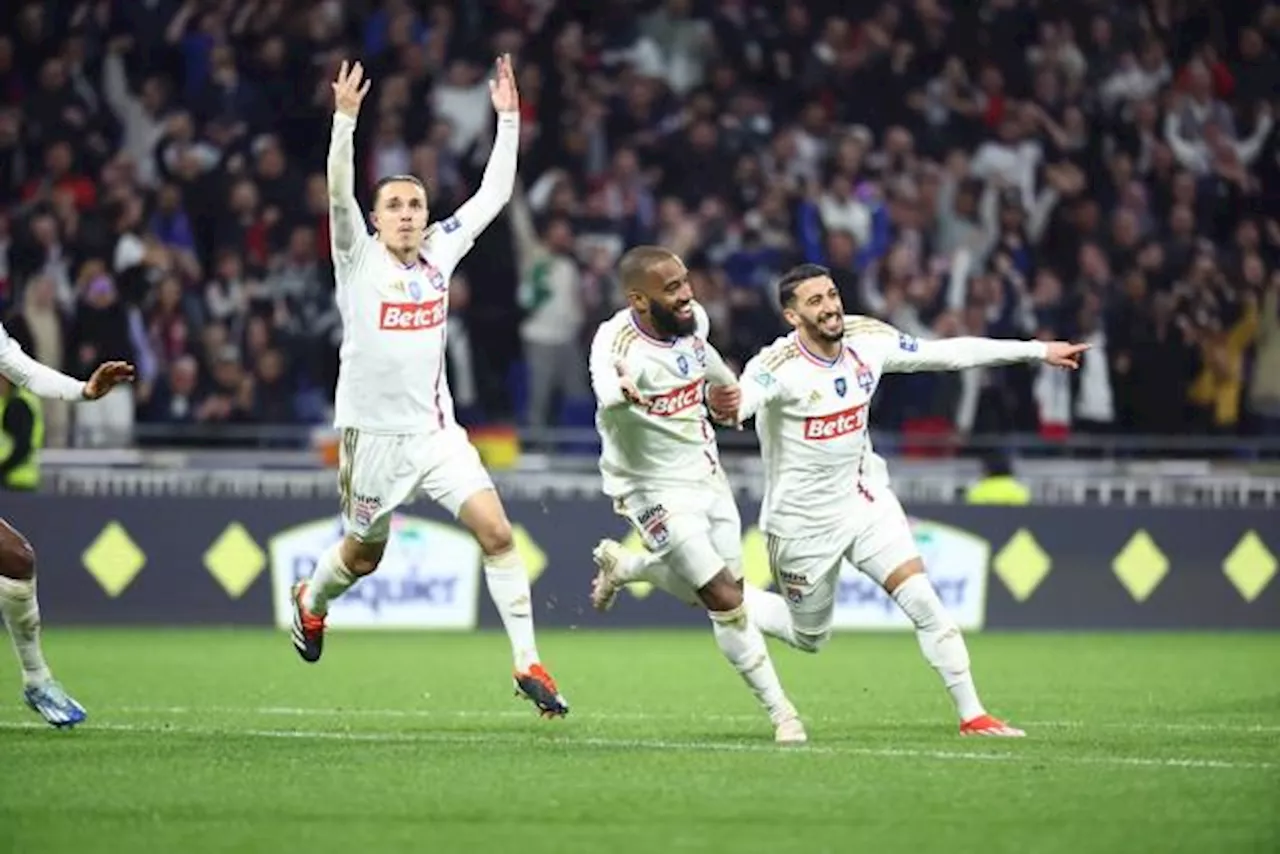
x=399, y=435
x=661, y=467
x=827, y=496
x=18, y=604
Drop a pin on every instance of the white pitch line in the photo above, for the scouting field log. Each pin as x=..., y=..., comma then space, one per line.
x=663, y=745
x=500, y=714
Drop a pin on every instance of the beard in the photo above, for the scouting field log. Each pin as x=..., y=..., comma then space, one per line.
x=816, y=331
x=670, y=325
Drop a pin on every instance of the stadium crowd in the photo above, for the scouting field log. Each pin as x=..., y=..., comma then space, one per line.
x=1104, y=170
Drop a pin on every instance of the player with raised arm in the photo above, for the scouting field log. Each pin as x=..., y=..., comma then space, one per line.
x=41, y=692
x=399, y=435
x=661, y=466
x=827, y=496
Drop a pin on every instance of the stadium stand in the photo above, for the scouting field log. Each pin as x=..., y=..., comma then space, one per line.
x=1106, y=171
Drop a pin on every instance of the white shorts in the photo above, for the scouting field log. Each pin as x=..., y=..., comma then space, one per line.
x=807, y=569
x=377, y=473
x=695, y=530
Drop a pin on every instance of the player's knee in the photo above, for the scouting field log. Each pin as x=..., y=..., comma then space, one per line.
x=495, y=536
x=17, y=558
x=812, y=640
x=722, y=593
x=361, y=558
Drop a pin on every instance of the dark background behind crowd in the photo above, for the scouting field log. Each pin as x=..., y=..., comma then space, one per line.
x=1106, y=171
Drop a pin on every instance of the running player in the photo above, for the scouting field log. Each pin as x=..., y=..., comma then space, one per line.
x=827, y=496
x=18, y=604
x=661, y=466
x=399, y=436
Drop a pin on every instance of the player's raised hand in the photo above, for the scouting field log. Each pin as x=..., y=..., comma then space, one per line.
x=349, y=89
x=724, y=401
x=628, y=385
x=1063, y=354
x=502, y=87
x=106, y=377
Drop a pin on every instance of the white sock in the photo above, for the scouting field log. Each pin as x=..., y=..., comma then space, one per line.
x=769, y=611
x=645, y=566
x=741, y=642
x=329, y=581
x=509, y=588
x=941, y=642
x=652, y=569
x=22, y=615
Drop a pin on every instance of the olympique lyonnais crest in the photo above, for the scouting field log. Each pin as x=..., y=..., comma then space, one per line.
x=434, y=276
x=841, y=386
x=700, y=352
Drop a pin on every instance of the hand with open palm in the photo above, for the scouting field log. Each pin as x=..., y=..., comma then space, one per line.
x=349, y=89
x=502, y=87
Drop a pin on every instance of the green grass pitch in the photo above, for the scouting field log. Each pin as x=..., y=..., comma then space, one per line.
x=204, y=741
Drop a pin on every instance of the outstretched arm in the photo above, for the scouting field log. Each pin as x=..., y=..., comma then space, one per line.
x=499, y=178
x=906, y=354
x=347, y=222
x=43, y=381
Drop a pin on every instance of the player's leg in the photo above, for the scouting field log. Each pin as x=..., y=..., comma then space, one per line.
x=370, y=486
x=766, y=610
x=458, y=482
x=887, y=553
x=508, y=582
x=710, y=560
x=806, y=571
x=742, y=644
x=616, y=567
x=21, y=614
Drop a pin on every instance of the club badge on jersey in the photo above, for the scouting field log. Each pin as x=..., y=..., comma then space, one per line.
x=415, y=290
x=700, y=352
x=434, y=276
x=653, y=521
x=866, y=379
x=683, y=364
x=842, y=386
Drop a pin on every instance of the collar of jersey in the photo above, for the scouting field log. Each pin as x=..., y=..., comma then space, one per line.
x=646, y=336
x=814, y=357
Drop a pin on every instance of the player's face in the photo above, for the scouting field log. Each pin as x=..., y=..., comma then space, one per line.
x=669, y=298
x=400, y=215
x=817, y=310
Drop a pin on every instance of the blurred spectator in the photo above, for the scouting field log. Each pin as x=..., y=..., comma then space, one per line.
x=552, y=300
x=40, y=327
x=1107, y=171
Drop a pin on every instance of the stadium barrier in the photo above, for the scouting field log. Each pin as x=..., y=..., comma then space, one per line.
x=209, y=561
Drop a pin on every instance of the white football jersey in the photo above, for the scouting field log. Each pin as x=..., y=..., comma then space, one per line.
x=812, y=413
x=391, y=377
x=671, y=441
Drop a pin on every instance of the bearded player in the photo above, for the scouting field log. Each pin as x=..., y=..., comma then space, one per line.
x=827, y=497
x=661, y=466
x=399, y=436
x=41, y=692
